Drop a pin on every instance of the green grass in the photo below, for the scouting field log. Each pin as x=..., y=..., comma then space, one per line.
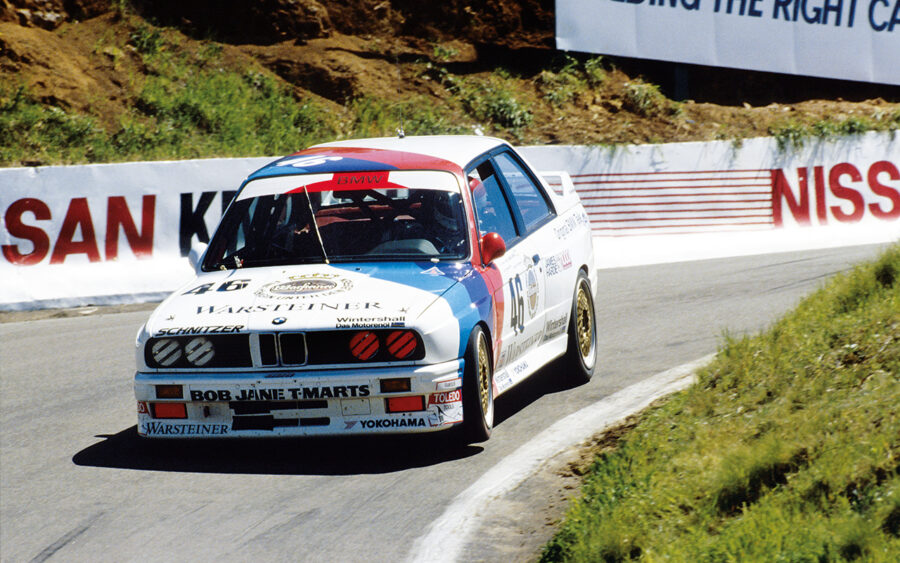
x=569, y=78
x=375, y=117
x=495, y=101
x=32, y=132
x=189, y=105
x=787, y=449
x=794, y=134
x=189, y=99
x=646, y=100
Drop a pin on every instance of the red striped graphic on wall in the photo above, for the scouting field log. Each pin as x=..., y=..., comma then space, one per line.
x=694, y=201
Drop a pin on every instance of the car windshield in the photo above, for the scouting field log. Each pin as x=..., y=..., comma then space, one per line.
x=317, y=218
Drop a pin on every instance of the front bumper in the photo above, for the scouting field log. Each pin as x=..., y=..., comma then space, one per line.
x=302, y=403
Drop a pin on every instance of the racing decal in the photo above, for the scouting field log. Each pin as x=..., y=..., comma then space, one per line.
x=231, y=285
x=569, y=225
x=214, y=329
x=211, y=395
x=520, y=367
x=447, y=413
x=503, y=380
x=519, y=348
x=143, y=407
x=558, y=263
x=354, y=159
x=307, y=162
x=445, y=397
x=517, y=309
x=532, y=290
x=555, y=327
x=452, y=384
x=154, y=428
x=385, y=321
x=284, y=307
x=281, y=393
x=351, y=181
x=380, y=423
x=308, y=285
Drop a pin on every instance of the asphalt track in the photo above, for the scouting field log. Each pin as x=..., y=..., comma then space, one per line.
x=76, y=483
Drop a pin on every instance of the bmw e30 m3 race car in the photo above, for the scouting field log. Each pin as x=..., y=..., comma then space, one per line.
x=388, y=285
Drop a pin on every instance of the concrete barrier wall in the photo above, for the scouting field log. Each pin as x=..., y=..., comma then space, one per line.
x=115, y=233
x=690, y=201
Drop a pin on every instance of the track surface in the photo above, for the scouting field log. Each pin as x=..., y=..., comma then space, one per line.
x=76, y=483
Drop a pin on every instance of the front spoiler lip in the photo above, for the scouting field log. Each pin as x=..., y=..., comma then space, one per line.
x=215, y=418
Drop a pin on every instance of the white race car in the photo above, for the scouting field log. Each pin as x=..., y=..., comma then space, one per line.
x=387, y=285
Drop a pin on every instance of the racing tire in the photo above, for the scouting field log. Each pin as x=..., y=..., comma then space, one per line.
x=581, y=354
x=478, y=389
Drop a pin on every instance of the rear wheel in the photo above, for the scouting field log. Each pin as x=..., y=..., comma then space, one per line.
x=581, y=355
x=478, y=389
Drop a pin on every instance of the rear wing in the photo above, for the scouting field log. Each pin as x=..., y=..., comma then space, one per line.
x=560, y=188
x=559, y=181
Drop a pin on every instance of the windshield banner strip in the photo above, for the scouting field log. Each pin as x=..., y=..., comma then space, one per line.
x=348, y=181
x=352, y=181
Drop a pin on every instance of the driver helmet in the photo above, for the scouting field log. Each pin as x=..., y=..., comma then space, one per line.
x=446, y=208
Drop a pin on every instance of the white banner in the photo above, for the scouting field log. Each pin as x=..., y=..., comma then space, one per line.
x=114, y=233
x=845, y=39
x=107, y=233
x=684, y=188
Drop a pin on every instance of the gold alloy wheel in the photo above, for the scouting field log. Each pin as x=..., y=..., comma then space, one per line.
x=584, y=323
x=484, y=375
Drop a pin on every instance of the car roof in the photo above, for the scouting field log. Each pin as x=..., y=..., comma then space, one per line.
x=459, y=149
x=436, y=152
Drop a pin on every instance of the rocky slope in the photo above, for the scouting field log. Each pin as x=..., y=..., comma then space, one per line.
x=84, y=56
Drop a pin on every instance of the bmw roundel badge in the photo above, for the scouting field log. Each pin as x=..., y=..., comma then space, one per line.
x=278, y=320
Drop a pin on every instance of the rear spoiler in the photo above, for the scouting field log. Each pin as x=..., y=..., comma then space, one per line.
x=563, y=184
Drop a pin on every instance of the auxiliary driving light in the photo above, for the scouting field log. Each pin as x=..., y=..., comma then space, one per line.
x=364, y=345
x=405, y=404
x=199, y=351
x=401, y=343
x=166, y=351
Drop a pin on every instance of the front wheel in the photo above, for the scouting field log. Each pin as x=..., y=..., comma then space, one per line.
x=581, y=355
x=478, y=389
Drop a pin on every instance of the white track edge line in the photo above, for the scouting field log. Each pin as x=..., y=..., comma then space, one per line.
x=446, y=537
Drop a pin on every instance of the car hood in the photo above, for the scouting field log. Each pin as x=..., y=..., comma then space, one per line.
x=308, y=297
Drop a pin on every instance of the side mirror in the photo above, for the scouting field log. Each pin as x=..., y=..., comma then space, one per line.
x=195, y=256
x=492, y=247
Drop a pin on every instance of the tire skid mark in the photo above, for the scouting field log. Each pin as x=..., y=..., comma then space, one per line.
x=66, y=538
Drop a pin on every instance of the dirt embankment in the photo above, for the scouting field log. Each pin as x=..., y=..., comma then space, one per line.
x=337, y=51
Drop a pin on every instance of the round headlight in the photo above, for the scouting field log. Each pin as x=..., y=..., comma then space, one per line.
x=166, y=352
x=199, y=351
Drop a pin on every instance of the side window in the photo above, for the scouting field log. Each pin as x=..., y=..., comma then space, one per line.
x=529, y=198
x=491, y=208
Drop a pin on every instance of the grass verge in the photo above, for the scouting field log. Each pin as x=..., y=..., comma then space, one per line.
x=787, y=448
